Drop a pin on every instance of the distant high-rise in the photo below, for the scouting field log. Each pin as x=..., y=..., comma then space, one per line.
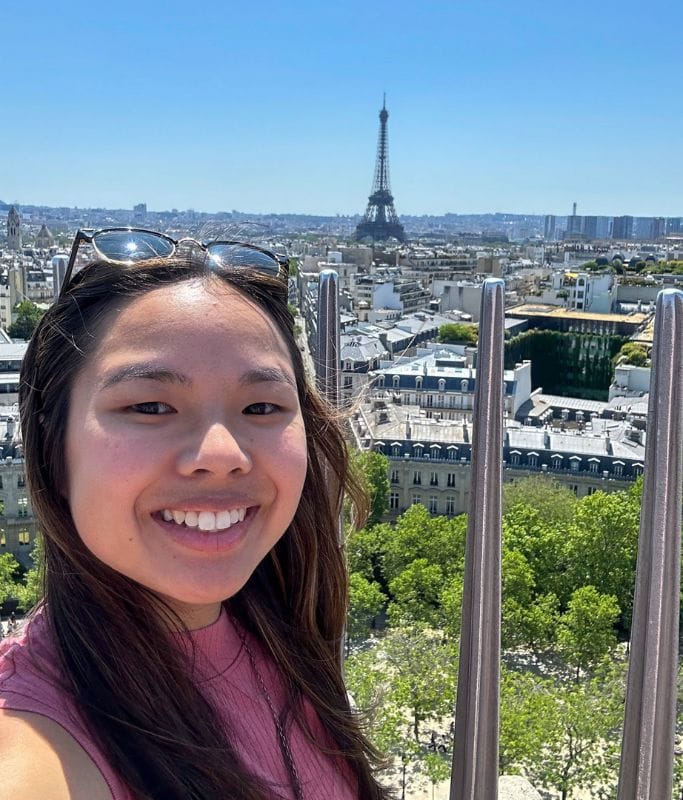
x=549, y=228
x=622, y=227
x=13, y=230
x=380, y=221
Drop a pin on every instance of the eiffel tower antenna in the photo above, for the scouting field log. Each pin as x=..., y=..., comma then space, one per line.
x=380, y=221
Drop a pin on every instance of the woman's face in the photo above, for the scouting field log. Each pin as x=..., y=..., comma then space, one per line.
x=185, y=445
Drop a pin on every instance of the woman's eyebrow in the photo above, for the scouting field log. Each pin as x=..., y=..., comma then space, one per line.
x=266, y=375
x=149, y=372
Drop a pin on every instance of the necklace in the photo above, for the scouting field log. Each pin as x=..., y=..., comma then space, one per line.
x=283, y=741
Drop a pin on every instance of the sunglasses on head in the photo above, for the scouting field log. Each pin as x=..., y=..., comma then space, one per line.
x=130, y=245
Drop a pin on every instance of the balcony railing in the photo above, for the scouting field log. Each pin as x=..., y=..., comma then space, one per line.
x=650, y=713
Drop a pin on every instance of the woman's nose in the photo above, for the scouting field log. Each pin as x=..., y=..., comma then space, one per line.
x=216, y=450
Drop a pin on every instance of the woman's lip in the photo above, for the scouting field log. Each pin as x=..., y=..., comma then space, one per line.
x=198, y=505
x=207, y=541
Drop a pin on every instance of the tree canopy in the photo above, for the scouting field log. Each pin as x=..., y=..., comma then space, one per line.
x=458, y=333
x=28, y=315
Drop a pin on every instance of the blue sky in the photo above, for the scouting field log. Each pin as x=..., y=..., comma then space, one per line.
x=494, y=106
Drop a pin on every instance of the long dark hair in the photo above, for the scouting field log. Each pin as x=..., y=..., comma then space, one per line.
x=123, y=668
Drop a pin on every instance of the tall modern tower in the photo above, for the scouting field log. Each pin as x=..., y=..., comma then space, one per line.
x=380, y=221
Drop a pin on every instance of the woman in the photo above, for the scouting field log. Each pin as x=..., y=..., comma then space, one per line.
x=180, y=467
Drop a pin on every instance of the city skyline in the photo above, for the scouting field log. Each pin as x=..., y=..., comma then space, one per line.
x=492, y=108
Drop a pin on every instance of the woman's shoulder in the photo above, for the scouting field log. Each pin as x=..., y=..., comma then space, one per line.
x=43, y=738
x=41, y=759
x=30, y=676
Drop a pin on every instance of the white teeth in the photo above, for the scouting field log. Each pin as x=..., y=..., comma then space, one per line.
x=223, y=520
x=206, y=520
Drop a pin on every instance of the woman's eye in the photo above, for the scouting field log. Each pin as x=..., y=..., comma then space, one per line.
x=153, y=408
x=261, y=408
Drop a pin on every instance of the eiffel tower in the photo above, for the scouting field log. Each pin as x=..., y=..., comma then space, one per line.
x=380, y=221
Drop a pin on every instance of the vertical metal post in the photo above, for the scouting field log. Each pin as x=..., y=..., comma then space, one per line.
x=327, y=355
x=474, y=774
x=327, y=366
x=650, y=716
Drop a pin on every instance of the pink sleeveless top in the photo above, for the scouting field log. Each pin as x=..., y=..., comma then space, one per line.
x=30, y=680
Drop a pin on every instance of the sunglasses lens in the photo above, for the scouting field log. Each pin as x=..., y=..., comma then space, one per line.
x=237, y=255
x=132, y=245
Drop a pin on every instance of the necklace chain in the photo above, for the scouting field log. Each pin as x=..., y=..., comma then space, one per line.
x=285, y=748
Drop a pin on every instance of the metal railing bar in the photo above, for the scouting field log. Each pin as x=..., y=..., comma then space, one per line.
x=474, y=774
x=646, y=771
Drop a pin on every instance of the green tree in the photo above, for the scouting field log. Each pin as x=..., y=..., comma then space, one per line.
x=372, y=688
x=458, y=333
x=416, y=534
x=564, y=736
x=31, y=590
x=416, y=594
x=9, y=567
x=553, y=503
x=364, y=551
x=28, y=315
x=422, y=669
x=541, y=543
x=586, y=631
x=373, y=471
x=527, y=620
x=601, y=548
x=632, y=353
x=366, y=601
x=451, y=606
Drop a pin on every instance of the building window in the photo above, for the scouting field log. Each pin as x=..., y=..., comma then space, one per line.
x=393, y=501
x=452, y=453
x=464, y=385
x=442, y=384
x=416, y=500
x=433, y=504
x=24, y=536
x=394, y=476
x=514, y=459
x=574, y=487
x=418, y=382
x=417, y=477
x=418, y=450
x=618, y=470
x=450, y=506
x=533, y=461
x=434, y=479
x=593, y=466
x=451, y=479
x=592, y=490
x=22, y=507
x=381, y=381
x=557, y=462
x=21, y=480
x=348, y=381
x=575, y=464
x=395, y=380
x=435, y=451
